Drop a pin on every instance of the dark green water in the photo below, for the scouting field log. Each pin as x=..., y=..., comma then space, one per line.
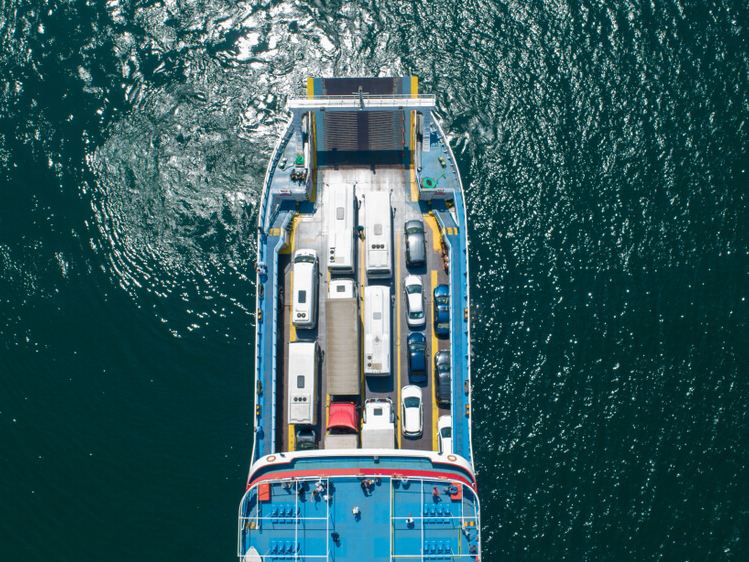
x=604, y=153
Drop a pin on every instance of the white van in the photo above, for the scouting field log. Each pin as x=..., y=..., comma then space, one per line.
x=378, y=234
x=304, y=304
x=377, y=330
x=302, y=383
x=341, y=229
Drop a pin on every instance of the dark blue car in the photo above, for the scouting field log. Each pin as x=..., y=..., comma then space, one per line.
x=442, y=310
x=417, y=357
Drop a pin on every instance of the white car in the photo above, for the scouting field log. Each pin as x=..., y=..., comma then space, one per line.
x=445, y=433
x=412, y=411
x=415, y=300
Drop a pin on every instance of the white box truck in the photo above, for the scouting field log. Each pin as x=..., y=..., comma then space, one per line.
x=342, y=356
x=378, y=430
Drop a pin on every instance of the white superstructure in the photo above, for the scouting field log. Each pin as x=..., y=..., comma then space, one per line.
x=377, y=330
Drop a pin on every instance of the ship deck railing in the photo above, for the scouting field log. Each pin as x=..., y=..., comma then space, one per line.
x=362, y=102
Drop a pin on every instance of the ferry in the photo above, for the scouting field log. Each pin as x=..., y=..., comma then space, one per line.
x=362, y=419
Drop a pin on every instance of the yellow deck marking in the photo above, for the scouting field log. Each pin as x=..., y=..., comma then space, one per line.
x=431, y=222
x=327, y=409
x=412, y=141
x=362, y=284
x=291, y=245
x=312, y=166
x=398, y=329
x=435, y=345
x=292, y=437
x=414, y=186
x=292, y=329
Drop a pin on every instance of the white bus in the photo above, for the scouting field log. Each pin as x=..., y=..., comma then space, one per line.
x=341, y=229
x=378, y=233
x=377, y=330
x=302, y=382
x=304, y=303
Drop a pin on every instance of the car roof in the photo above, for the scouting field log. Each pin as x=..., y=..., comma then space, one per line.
x=418, y=361
x=411, y=390
x=305, y=252
x=416, y=337
x=442, y=290
x=413, y=280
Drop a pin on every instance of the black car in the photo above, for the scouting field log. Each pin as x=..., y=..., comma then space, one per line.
x=415, y=245
x=441, y=313
x=417, y=358
x=306, y=439
x=442, y=377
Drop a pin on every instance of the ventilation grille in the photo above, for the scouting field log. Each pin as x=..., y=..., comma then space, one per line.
x=364, y=131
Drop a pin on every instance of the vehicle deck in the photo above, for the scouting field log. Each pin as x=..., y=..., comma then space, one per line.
x=309, y=230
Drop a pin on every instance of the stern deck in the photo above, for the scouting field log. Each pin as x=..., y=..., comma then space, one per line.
x=360, y=518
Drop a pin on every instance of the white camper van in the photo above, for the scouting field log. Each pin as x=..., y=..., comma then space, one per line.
x=304, y=307
x=377, y=330
x=379, y=234
x=302, y=381
x=341, y=212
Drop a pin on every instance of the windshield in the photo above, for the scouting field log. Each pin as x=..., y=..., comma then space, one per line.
x=304, y=259
x=442, y=300
x=446, y=432
x=413, y=229
x=415, y=315
x=411, y=402
x=418, y=346
x=413, y=289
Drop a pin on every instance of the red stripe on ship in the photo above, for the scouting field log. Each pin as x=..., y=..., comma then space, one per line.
x=361, y=472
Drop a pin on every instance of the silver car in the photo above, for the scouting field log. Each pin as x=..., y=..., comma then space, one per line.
x=415, y=243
